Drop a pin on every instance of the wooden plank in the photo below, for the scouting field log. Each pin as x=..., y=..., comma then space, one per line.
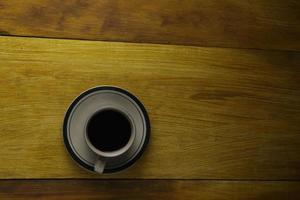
x=261, y=24
x=148, y=189
x=215, y=113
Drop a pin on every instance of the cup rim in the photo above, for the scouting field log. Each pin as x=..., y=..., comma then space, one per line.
x=118, y=152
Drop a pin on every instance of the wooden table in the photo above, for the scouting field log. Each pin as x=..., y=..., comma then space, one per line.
x=220, y=79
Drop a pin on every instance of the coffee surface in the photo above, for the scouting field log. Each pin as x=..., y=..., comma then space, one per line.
x=109, y=130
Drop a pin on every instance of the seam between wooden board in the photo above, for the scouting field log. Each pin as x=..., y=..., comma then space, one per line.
x=164, y=44
x=141, y=179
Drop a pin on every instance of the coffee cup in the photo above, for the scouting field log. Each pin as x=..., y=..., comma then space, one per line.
x=109, y=134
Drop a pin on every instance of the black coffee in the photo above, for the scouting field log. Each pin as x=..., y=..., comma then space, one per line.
x=109, y=130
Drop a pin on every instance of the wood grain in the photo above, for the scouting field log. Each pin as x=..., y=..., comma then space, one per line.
x=148, y=189
x=261, y=24
x=215, y=113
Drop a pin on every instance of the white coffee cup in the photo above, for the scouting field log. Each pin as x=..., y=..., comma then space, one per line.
x=96, y=144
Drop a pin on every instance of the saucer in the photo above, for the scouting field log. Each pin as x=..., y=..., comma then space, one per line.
x=88, y=103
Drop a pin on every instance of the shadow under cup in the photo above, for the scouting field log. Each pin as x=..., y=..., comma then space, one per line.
x=109, y=130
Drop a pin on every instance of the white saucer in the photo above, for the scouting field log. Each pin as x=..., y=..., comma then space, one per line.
x=90, y=102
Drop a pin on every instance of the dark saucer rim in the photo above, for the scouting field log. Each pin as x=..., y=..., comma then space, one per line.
x=69, y=111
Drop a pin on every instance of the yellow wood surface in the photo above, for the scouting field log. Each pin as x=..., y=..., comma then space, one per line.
x=216, y=113
x=148, y=189
x=260, y=24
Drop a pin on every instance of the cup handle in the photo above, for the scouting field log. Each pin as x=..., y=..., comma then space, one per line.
x=99, y=166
